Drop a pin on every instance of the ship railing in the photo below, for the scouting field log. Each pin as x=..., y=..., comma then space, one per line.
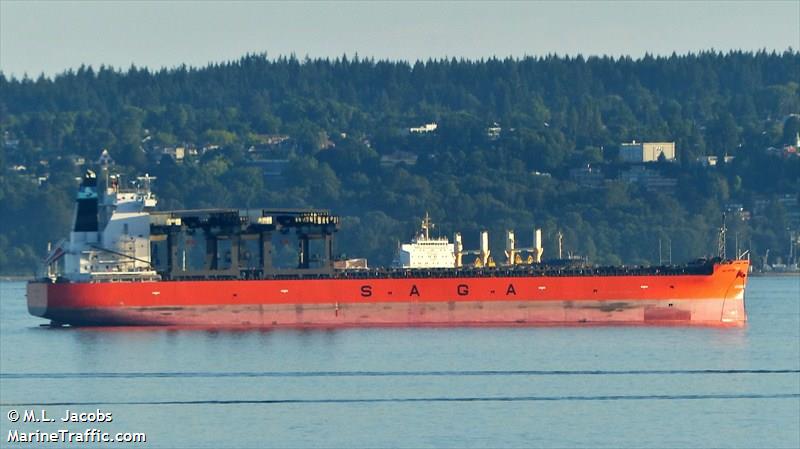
x=526, y=271
x=130, y=276
x=537, y=270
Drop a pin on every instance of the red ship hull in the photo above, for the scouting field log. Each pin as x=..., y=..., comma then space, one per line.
x=716, y=299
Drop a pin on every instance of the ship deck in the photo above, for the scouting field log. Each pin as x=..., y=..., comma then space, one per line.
x=537, y=270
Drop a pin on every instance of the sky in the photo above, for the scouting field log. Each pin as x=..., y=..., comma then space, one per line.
x=52, y=36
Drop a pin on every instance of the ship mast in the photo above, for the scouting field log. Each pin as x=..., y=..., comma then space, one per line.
x=145, y=181
x=426, y=226
x=721, y=239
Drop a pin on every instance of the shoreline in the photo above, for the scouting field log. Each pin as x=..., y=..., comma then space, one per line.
x=15, y=278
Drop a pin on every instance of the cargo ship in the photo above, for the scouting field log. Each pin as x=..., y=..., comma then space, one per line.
x=126, y=264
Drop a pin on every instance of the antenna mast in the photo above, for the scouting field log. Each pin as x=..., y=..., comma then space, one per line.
x=721, y=239
x=426, y=226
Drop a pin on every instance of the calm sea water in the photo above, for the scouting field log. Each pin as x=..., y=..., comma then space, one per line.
x=522, y=387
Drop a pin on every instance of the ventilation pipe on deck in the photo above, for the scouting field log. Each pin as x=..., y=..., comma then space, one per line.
x=484, y=247
x=537, y=246
x=510, y=251
x=458, y=247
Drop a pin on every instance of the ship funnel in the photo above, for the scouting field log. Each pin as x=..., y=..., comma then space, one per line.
x=510, y=251
x=537, y=246
x=458, y=247
x=484, y=247
x=86, y=210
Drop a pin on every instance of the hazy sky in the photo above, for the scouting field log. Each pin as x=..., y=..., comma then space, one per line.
x=50, y=37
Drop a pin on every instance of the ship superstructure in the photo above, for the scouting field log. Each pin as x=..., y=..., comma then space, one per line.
x=110, y=236
x=425, y=251
x=127, y=264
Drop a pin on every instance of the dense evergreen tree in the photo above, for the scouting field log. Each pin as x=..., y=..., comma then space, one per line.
x=344, y=115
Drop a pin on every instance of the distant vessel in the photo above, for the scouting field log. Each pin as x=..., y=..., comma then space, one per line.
x=126, y=264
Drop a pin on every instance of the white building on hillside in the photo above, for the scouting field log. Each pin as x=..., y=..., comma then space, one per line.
x=636, y=152
x=426, y=128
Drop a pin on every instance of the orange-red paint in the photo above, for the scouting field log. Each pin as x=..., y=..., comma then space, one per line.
x=715, y=299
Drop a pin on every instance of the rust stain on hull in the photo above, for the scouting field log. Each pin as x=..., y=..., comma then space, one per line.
x=398, y=314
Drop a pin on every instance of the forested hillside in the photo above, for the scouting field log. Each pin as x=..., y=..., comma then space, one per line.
x=509, y=150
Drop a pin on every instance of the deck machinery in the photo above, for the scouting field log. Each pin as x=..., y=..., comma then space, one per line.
x=238, y=243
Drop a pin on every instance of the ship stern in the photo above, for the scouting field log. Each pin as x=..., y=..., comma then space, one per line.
x=37, y=297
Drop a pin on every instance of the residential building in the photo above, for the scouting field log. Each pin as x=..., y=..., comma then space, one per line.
x=588, y=177
x=711, y=161
x=426, y=128
x=176, y=153
x=493, y=132
x=650, y=179
x=637, y=152
x=737, y=210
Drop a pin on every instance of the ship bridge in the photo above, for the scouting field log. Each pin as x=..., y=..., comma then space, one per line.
x=242, y=243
